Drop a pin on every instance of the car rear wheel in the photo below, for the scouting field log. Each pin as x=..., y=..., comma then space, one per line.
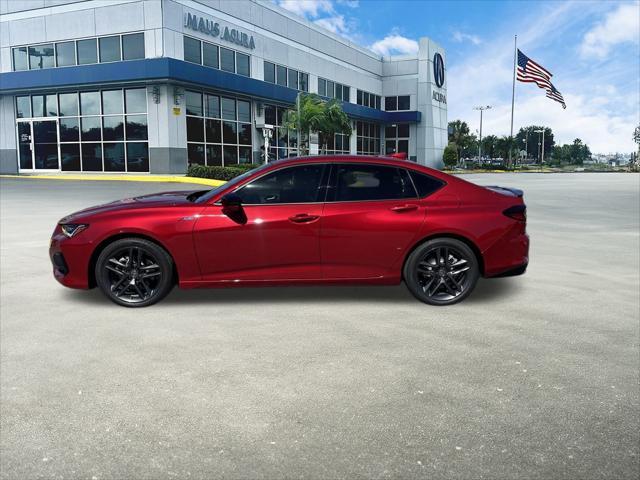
x=134, y=272
x=442, y=271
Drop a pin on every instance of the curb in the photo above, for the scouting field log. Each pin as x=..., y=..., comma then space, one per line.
x=124, y=178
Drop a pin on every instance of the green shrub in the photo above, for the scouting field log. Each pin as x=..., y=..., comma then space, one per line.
x=450, y=155
x=215, y=173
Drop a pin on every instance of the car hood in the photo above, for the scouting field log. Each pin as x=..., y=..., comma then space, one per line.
x=154, y=200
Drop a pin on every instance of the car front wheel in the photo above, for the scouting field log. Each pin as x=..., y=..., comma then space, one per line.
x=134, y=272
x=441, y=271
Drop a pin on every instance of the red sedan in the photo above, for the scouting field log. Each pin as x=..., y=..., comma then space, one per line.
x=329, y=220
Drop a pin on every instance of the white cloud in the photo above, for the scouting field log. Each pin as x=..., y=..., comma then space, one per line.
x=395, y=44
x=619, y=26
x=349, y=3
x=307, y=8
x=460, y=37
x=336, y=24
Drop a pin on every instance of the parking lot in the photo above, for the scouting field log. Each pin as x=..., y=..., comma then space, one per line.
x=531, y=377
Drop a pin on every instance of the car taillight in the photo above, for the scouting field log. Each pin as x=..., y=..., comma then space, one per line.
x=517, y=212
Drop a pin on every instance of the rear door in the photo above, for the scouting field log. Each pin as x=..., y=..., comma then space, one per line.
x=371, y=218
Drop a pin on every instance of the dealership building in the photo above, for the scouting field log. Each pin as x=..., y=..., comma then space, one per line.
x=153, y=86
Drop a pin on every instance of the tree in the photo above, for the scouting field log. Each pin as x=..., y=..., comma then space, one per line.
x=636, y=136
x=466, y=143
x=316, y=115
x=489, y=146
x=527, y=138
x=450, y=155
x=579, y=152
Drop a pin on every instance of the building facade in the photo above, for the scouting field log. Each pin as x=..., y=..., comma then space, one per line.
x=153, y=86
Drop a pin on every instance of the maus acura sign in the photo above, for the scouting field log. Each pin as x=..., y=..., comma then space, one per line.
x=213, y=28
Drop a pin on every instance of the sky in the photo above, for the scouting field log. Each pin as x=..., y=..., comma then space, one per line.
x=591, y=48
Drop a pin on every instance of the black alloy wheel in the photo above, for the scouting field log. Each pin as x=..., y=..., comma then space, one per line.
x=442, y=271
x=134, y=272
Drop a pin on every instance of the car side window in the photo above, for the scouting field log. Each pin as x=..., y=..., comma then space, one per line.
x=425, y=184
x=299, y=184
x=359, y=182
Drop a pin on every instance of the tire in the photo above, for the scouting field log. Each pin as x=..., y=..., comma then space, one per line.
x=139, y=284
x=441, y=271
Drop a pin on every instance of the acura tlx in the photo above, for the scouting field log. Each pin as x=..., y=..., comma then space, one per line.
x=308, y=220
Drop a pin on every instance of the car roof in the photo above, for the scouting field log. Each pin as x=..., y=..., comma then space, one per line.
x=379, y=160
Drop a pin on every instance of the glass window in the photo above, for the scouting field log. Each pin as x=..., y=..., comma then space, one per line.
x=51, y=106
x=68, y=104
x=213, y=106
x=371, y=182
x=390, y=132
x=214, y=154
x=346, y=93
x=195, y=153
x=244, y=111
x=331, y=89
x=403, y=130
x=270, y=115
x=227, y=61
x=137, y=127
x=195, y=129
x=391, y=103
x=300, y=184
x=322, y=87
x=136, y=100
x=193, y=101
x=66, y=54
x=338, y=91
x=244, y=133
x=91, y=157
x=269, y=72
x=133, y=46
x=41, y=56
x=70, y=157
x=137, y=157
x=213, y=131
x=113, y=128
x=90, y=103
x=90, y=129
x=192, y=51
x=281, y=75
x=228, y=108
x=403, y=102
x=425, y=184
x=87, y=51
x=242, y=61
x=112, y=102
x=229, y=132
x=304, y=82
x=293, y=79
x=378, y=100
x=359, y=97
x=20, y=59
x=38, y=106
x=109, y=49
x=23, y=107
x=403, y=146
x=210, y=55
x=69, y=130
x=244, y=154
x=114, y=157
x=230, y=155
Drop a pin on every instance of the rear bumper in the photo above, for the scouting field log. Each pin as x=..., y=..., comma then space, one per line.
x=514, y=271
x=509, y=256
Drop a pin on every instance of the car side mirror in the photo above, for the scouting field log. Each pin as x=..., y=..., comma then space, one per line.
x=232, y=208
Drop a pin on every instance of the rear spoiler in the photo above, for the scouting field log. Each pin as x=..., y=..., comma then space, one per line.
x=514, y=192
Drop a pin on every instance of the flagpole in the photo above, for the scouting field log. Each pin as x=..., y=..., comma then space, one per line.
x=513, y=94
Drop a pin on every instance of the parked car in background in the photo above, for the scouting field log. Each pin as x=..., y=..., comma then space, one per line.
x=310, y=220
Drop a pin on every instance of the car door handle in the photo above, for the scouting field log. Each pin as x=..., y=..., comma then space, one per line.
x=304, y=218
x=404, y=208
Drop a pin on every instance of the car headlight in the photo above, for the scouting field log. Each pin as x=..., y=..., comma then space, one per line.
x=72, y=229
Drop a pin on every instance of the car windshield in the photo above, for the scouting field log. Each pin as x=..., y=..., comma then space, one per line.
x=213, y=192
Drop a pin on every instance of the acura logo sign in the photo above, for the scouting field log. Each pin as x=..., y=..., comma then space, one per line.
x=438, y=70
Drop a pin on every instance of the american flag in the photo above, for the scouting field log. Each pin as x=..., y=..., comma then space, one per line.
x=529, y=71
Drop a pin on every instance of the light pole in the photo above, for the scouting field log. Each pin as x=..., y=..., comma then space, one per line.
x=482, y=109
x=542, y=146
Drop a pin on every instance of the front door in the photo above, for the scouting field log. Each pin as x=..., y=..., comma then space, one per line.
x=276, y=237
x=38, y=145
x=372, y=216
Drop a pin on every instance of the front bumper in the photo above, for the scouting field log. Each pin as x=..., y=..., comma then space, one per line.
x=70, y=259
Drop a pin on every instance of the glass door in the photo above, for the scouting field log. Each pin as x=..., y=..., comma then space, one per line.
x=25, y=146
x=45, y=145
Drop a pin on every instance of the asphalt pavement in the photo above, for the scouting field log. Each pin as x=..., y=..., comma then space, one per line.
x=532, y=377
